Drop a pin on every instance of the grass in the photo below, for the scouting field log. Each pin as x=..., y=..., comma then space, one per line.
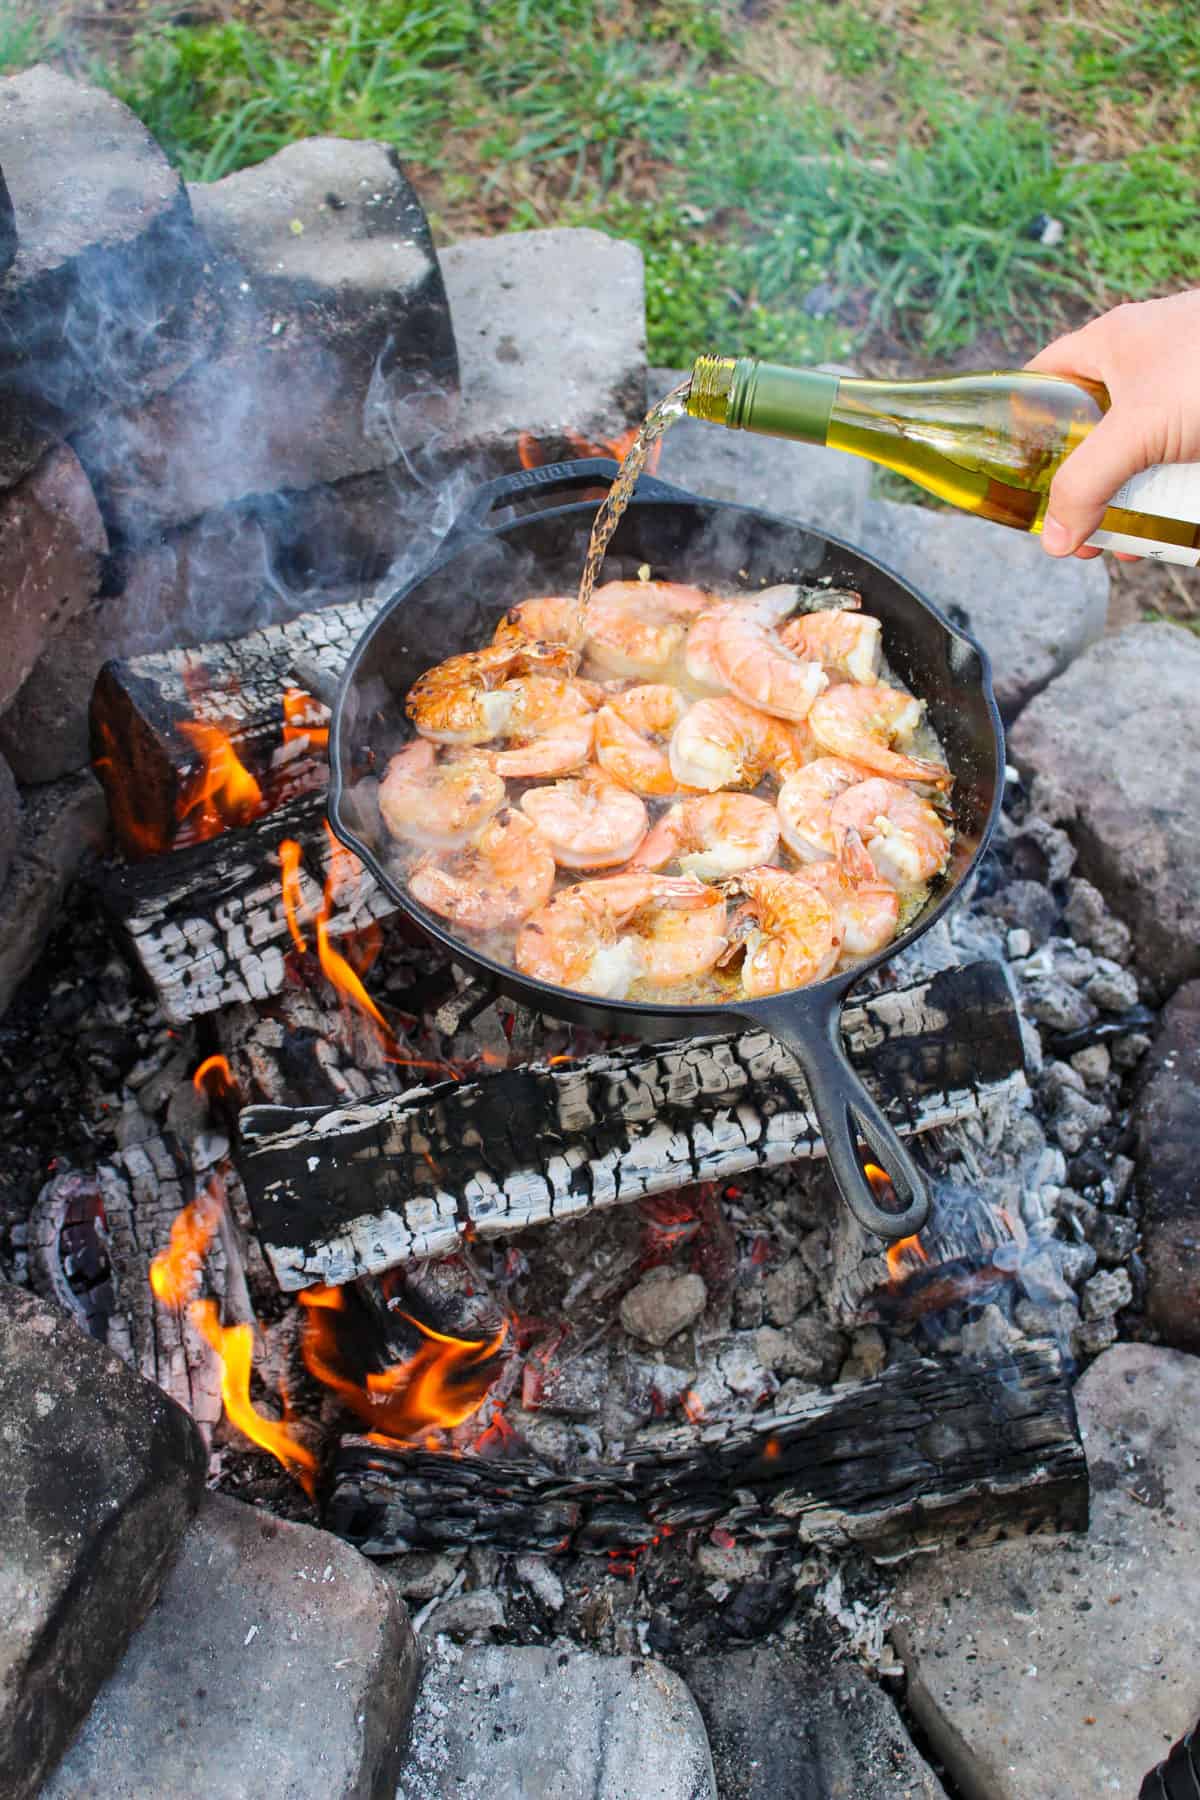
x=807, y=179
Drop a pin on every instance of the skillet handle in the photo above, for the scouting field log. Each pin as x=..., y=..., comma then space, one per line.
x=845, y=1111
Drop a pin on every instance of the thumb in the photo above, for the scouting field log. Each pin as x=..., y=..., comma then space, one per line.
x=1085, y=484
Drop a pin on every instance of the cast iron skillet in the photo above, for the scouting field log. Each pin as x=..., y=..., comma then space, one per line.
x=487, y=562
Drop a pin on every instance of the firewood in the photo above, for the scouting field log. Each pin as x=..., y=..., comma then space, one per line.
x=356, y=1189
x=925, y=1454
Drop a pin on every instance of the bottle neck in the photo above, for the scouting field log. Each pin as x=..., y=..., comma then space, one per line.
x=748, y=395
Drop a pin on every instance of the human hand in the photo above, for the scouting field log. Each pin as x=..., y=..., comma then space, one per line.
x=1148, y=357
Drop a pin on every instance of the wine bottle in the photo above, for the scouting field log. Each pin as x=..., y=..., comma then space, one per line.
x=988, y=443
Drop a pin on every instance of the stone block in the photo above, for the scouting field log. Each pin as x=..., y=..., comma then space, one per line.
x=1041, y=1667
x=1121, y=732
x=277, y=1664
x=336, y=353
x=51, y=542
x=98, y=304
x=101, y=1471
x=779, y=1726
x=1032, y=616
x=820, y=487
x=59, y=826
x=551, y=340
x=10, y=820
x=554, y=1723
x=1168, y=1175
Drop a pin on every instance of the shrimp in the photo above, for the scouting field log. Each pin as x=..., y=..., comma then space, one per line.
x=712, y=836
x=860, y=723
x=507, y=874
x=589, y=823
x=599, y=937
x=626, y=732
x=699, y=655
x=907, y=840
x=867, y=907
x=552, y=723
x=757, y=667
x=546, y=619
x=846, y=642
x=790, y=933
x=638, y=628
x=441, y=805
x=462, y=700
x=805, y=801
x=723, y=743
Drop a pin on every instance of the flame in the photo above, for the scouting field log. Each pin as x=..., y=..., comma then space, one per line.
x=529, y=450
x=175, y=1271
x=234, y=1345
x=693, y=1406
x=223, y=792
x=444, y=1382
x=304, y=717
x=290, y=856
x=214, y=1077
x=908, y=1250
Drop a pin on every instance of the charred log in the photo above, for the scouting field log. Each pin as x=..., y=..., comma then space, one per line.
x=923, y=1455
x=356, y=1189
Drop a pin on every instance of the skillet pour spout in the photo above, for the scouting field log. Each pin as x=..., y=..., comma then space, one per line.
x=527, y=533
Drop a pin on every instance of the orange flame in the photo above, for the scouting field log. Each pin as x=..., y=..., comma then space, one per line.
x=529, y=450
x=909, y=1250
x=175, y=1271
x=234, y=1345
x=224, y=792
x=441, y=1385
x=290, y=856
x=693, y=1406
x=214, y=1077
x=304, y=717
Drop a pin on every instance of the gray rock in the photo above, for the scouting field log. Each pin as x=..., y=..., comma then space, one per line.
x=1114, y=1238
x=61, y=824
x=1047, y=1319
x=1076, y=1262
x=1076, y=1120
x=542, y=1582
x=662, y=1304
x=822, y=488
x=51, y=542
x=1112, y=988
x=277, y=1663
x=1165, y=1116
x=1123, y=1168
x=1025, y=905
x=1129, y=1049
x=1090, y=922
x=97, y=307
x=1042, y=852
x=1122, y=732
x=1093, y=1064
x=10, y=820
x=421, y=1575
x=787, y=1291
x=567, y=389
x=556, y=1723
x=1032, y=617
x=1054, y=1002
x=1106, y=1294
x=810, y=1349
x=336, y=353
x=1091, y=1336
x=1018, y=943
x=785, y=1728
x=1031, y=1662
x=101, y=1472
x=468, y=1615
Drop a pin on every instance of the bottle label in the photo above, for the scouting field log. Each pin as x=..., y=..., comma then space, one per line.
x=1168, y=491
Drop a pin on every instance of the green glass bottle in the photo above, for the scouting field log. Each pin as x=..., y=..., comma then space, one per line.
x=988, y=443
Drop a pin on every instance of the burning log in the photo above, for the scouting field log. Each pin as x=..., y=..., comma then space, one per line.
x=356, y=1189
x=925, y=1454
x=141, y=710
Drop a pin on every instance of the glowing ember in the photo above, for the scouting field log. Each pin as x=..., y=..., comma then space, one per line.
x=234, y=1345
x=444, y=1382
x=175, y=1271
x=530, y=451
x=290, y=855
x=304, y=719
x=693, y=1407
x=224, y=792
x=214, y=1078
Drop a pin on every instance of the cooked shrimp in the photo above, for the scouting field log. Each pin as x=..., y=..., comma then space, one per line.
x=440, y=805
x=723, y=743
x=847, y=642
x=550, y=722
x=506, y=875
x=756, y=666
x=589, y=823
x=860, y=723
x=907, y=839
x=699, y=653
x=790, y=933
x=546, y=619
x=630, y=737
x=601, y=936
x=462, y=700
x=712, y=836
x=867, y=906
x=638, y=627
x=805, y=801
